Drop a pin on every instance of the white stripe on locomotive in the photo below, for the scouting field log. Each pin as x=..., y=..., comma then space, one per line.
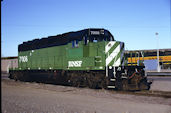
x=109, y=46
x=113, y=55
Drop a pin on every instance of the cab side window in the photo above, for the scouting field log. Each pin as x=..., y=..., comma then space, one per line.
x=86, y=40
x=75, y=43
x=94, y=40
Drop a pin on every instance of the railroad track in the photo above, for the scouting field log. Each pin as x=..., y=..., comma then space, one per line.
x=164, y=94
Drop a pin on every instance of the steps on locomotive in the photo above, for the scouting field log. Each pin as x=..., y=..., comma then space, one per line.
x=112, y=79
x=111, y=87
x=111, y=84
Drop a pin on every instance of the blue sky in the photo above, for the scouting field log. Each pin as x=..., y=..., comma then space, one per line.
x=134, y=22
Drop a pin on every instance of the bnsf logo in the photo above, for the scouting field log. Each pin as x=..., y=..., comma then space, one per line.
x=23, y=59
x=74, y=63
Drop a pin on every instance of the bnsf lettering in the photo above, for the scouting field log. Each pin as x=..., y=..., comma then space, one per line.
x=23, y=59
x=74, y=63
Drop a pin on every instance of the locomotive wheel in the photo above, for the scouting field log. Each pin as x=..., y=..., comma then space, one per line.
x=91, y=81
x=104, y=83
x=119, y=84
x=143, y=85
x=92, y=84
x=10, y=76
x=15, y=77
x=74, y=81
x=26, y=77
x=125, y=86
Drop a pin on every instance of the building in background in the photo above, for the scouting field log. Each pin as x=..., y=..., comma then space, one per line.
x=8, y=62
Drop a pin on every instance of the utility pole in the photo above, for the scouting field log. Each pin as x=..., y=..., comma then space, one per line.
x=158, y=65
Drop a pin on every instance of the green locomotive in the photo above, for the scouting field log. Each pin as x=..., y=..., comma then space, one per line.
x=89, y=57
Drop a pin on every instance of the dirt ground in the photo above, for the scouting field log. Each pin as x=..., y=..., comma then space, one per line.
x=20, y=97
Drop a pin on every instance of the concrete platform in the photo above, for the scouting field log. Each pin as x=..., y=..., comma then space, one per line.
x=161, y=73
